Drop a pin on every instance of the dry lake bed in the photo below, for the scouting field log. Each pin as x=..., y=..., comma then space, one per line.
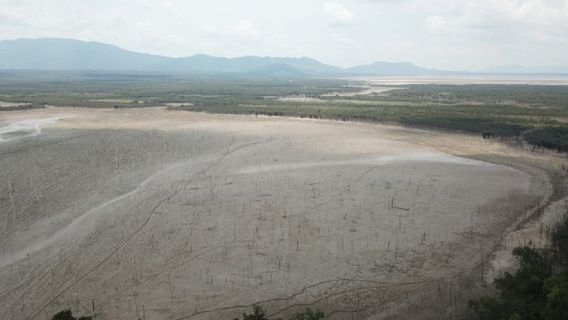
x=157, y=214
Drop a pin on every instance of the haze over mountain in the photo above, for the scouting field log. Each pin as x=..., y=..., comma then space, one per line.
x=392, y=68
x=66, y=54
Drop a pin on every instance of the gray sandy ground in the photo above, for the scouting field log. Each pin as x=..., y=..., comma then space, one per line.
x=153, y=214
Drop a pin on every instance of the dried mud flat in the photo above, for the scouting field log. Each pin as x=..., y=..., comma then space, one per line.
x=155, y=214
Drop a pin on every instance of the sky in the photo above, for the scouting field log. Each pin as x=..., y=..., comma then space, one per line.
x=445, y=34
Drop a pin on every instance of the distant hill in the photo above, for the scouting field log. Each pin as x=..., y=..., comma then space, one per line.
x=64, y=54
x=251, y=64
x=391, y=68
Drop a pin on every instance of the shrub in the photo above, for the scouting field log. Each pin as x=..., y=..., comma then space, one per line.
x=538, y=290
x=259, y=314
x=68, y=315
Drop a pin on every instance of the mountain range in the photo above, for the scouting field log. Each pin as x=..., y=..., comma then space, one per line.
x=67, y=54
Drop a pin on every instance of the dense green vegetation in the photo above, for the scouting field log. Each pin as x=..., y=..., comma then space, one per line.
x=539, y=114
x=94, y=89
x=551, y=138
x=502, y=110
x=538, y=290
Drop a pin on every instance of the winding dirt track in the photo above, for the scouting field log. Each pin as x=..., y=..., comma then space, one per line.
x=154, y=214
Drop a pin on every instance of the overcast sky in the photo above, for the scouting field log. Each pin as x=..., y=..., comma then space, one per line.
x=449, y=34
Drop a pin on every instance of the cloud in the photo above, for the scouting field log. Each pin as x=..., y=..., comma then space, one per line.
x=476, y=13
x=507, y=20
x=246, y=29
x=384, y=1
x=341, y=39
x=548, y=38
x=436, y=23
x=451, y=34
x=338, y=14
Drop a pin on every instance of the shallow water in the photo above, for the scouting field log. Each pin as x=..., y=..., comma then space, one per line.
x=382, y=160
x=469, y=79
x=24, y=128
x=4, y=104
